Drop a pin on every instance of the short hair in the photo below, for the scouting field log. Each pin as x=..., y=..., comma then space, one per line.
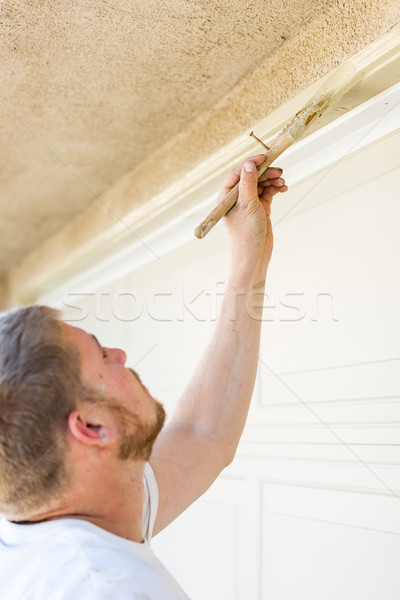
x=40, y=385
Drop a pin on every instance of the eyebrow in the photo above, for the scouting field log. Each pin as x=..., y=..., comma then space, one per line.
x=96, y=341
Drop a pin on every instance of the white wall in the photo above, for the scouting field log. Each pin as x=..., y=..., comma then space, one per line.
x=310, y=507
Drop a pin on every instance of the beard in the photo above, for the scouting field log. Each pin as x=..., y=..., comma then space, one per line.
x=137, y=437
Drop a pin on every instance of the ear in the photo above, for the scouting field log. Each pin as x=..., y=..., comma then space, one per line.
x=92, y=427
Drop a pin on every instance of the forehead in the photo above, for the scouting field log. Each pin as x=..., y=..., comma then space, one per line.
x=85, y=344
x=76, y=336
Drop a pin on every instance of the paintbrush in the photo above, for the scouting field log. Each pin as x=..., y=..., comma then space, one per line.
x=341, y=80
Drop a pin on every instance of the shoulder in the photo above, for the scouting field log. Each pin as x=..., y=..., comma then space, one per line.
x=90, y=563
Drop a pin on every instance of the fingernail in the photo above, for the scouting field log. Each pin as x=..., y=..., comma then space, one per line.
x=249, y=166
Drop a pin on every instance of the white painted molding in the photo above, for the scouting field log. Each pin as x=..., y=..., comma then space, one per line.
x=165, y=226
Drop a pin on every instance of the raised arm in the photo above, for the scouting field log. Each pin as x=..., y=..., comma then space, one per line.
x=201, y=438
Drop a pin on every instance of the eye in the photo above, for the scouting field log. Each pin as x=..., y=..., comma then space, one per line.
x=104, y=353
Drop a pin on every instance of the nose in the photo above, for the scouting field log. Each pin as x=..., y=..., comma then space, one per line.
x=117, y=355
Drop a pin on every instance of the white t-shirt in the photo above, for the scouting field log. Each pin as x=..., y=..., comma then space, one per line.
x=72, y=559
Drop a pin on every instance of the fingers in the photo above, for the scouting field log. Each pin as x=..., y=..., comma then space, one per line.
x=269, y=192
x=234, y=175
x=258, y=159
x=272, y=186
x=271, y=180
x=271, y=173
x=232, y=179
x=248, y=183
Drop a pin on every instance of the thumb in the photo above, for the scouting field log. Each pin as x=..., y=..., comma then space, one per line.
x=248, y=184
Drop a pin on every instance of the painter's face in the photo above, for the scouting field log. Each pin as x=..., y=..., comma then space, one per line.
x=139, y=416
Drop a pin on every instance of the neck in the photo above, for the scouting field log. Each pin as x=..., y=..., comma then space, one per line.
x=112, y=501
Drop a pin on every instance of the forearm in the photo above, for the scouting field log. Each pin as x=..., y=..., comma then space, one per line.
x=217, y=400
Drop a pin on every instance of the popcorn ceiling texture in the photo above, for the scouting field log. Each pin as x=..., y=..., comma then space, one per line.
x=94, y=92
x=4, y=292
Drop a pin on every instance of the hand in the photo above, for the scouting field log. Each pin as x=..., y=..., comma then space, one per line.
x=249, y=221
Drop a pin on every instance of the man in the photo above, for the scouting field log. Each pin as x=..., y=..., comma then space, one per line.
x=86, y=477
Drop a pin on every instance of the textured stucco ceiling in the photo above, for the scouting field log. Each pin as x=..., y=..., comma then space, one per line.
x=90, y=89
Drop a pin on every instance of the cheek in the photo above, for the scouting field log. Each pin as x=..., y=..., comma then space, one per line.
x=124, y=390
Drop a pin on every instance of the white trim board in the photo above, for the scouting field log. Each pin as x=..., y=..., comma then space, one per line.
x=172, y=225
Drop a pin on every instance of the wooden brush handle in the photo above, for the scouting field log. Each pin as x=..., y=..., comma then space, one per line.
x=219, y=211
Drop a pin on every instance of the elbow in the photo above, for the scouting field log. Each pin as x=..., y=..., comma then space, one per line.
x=227, y=455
